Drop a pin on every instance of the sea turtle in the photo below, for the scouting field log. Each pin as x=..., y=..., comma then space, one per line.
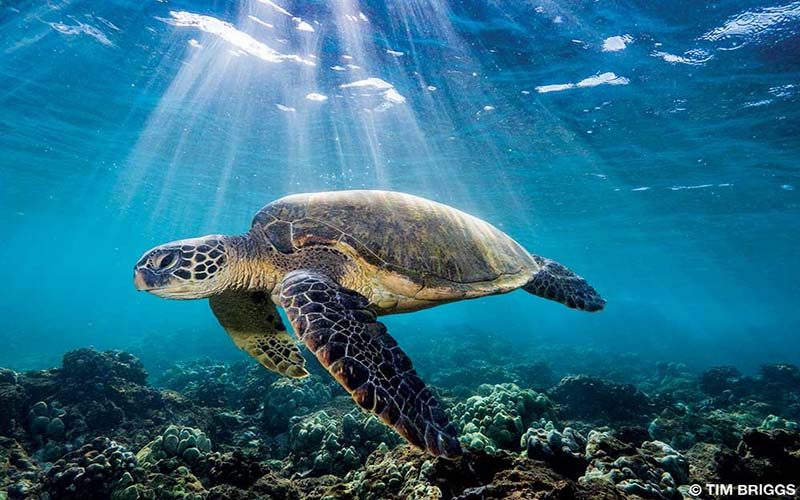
x=334, y=262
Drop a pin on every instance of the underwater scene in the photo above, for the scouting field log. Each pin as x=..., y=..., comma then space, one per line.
x=399, y=249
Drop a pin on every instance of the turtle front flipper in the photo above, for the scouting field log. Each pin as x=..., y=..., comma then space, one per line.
x=253, y=323
x=338, y=327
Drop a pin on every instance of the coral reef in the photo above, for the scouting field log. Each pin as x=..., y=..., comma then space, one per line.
x=726, y=404
x=95, y=471
x=761, y=457
x=683, y=426
x=177, y=446
x=405, y=474
x=766, y=457
x=655, y=470
x=320, y=444
x=314, y=443
x=12, y=399
x=462, y=381
x=772, y=422
x=287, y=398
x=498, y=415
x=269, y=486
x=19, y=475
x=88, y=364
x=590, y=398
x=104, y=389
x=537, y=375
x=563, y=451
x=774, y=390
x=719, y=379
x=47, y=430
x=204, y=382
x=233, y=468
x=94, y=428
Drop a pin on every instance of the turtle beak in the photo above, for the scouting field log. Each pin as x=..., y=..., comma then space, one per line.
x=140, y=280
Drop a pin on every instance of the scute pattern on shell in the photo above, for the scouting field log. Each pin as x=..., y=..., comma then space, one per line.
x=419, y=238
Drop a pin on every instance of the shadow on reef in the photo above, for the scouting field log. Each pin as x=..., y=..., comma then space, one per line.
x=95, y=429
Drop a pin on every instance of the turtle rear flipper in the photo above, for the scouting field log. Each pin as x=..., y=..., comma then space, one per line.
x=338, y=327
x=253, y=323
x=555, y=282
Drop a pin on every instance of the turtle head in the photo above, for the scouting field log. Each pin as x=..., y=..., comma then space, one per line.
x=185, y=269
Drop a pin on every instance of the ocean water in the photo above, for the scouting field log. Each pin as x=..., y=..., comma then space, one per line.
x=650, y=146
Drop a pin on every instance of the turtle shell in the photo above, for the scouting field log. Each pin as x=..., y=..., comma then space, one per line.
x=418, y=238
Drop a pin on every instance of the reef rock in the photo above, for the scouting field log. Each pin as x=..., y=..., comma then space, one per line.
x=204, y=382
x=88, y=364
x=404, y=473
x=177, y=446
x=632, y=434
x=564, y=451
x=779, y=389
x=95, y=471
x=180, y=484
x=772, y=422
x=537, y=375
x=592, y=399
x=655, y=470
x=233, y=468
x=775, y=390
x=766, y=457
x=682, y=426
x=706, y=461
x=107, y=387
x=462, y=380
x=47, y=430
x=498, y=415
x=19, y=475
x=12, y=402
x=98, y=393
x=782, y=376
x=321, y=444
x=287, y=398
x=719, y=379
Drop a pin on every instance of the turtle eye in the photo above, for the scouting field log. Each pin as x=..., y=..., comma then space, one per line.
x=165, y=261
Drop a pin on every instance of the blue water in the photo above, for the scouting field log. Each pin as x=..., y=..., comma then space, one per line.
x=650, y=146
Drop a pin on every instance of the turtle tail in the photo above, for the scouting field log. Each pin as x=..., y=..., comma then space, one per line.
x=555, y=282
